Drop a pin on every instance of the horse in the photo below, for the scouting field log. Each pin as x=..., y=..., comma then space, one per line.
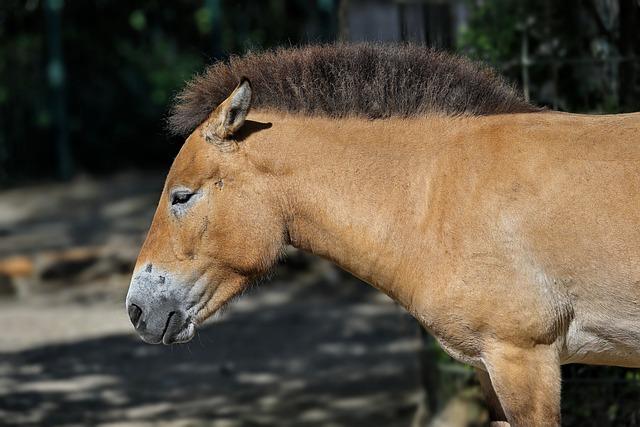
x=510, y=232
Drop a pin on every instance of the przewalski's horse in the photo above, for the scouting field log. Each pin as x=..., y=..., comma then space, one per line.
x=512, y=234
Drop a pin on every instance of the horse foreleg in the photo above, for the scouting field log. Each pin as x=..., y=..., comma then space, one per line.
x=526, y=383
x=496, y=413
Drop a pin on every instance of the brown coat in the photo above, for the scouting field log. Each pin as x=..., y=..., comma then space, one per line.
x=514, y=239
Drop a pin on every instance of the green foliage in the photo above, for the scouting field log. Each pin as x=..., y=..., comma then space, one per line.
x=492, y=32
x=600, y=396
x=572, y=59
x=123, y=61
x=138, y=20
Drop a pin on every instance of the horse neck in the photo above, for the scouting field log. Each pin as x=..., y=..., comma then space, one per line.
x=357, y=192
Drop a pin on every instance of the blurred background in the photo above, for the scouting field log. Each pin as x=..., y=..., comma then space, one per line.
x=84, y=91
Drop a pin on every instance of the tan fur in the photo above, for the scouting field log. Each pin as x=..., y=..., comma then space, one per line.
x=514, y=239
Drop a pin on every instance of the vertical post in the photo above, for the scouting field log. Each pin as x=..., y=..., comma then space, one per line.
x=629, y=18
x=556, y=94
x=524, y=62
x=56, y=79
x=402, y=21
x=329, y=19
x=215, y=15
x=343, y=21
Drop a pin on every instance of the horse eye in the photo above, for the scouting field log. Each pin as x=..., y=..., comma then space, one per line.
x=180, y=197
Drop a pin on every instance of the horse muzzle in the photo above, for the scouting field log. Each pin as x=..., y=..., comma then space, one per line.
x=158, y=309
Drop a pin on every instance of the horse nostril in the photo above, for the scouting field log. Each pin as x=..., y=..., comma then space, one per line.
x=135, y=313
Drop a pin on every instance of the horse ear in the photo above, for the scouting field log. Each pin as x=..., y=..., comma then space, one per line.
x=230, y=114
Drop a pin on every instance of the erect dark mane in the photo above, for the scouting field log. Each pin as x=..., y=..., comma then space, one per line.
x=339, y=80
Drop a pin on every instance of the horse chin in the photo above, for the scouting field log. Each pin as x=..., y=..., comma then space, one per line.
x=181, y=336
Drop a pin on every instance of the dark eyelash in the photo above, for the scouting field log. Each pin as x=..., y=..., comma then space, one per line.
x=181, y=198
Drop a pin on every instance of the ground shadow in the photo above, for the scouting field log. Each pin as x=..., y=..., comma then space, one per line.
x=312, y=362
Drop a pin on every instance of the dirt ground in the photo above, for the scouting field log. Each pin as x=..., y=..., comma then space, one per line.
x=314, y=352
x=313, y=347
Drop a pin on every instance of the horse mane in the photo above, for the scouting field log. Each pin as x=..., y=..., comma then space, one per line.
x=339, y=80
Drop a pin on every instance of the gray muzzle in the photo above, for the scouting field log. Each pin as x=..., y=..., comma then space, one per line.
x=158, y=308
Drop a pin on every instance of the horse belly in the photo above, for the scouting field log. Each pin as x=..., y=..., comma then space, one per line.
x=604, y=340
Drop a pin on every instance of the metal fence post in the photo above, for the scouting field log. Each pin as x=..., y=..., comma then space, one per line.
x=56, y=79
